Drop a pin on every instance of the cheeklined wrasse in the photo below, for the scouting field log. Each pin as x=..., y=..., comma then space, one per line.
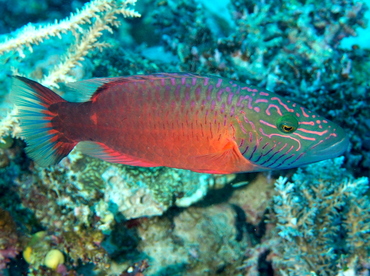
x=205, y=124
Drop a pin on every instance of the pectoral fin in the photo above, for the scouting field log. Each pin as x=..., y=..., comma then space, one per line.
x=224, y=161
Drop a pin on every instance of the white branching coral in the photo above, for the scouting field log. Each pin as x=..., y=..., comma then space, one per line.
x=31, y=34
x=88, y=39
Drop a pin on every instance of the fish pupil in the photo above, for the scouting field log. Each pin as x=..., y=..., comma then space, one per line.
x=287, y=128
x=287, y=123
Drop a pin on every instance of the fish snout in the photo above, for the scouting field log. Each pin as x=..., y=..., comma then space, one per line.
x=335, y=145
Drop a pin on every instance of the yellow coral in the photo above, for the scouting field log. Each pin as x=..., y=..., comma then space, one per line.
x=54, y=258
x=27, y=254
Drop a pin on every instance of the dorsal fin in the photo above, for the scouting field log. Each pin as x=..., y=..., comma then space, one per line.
x=82, y=91
x=85, y=90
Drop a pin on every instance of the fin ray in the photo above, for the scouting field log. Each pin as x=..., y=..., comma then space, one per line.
x=33, y=100
x=85, y=90
x=230, y=155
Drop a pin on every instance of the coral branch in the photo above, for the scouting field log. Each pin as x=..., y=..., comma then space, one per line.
x=31, y=34
x=322, y=217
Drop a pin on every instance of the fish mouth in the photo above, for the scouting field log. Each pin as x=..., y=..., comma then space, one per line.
x=331, y=149
x=327, y=150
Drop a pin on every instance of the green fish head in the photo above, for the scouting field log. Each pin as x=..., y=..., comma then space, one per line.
x=286, y=135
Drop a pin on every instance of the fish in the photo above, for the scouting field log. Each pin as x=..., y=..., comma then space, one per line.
x=206, y=124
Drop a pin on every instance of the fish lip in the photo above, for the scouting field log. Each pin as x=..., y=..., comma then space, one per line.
x=334, y=150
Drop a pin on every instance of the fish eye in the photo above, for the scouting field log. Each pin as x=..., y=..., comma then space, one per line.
x=287, y=123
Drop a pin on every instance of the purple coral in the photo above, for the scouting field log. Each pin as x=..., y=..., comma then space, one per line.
x=5, y=254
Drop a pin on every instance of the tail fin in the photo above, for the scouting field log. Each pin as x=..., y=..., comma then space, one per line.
x=33, y=101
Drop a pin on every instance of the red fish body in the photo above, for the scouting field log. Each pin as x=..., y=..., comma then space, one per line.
x=204, y=124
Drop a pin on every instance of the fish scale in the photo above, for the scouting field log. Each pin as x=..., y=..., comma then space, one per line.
x=181, y=120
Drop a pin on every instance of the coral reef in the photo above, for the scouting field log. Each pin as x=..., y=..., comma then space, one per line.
x=10, y=245
x=262, y=188
x=197, y=241
x=80, y=201
x=136, y=269
x=323, y=219
x=88, y=217
x=39, y=251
